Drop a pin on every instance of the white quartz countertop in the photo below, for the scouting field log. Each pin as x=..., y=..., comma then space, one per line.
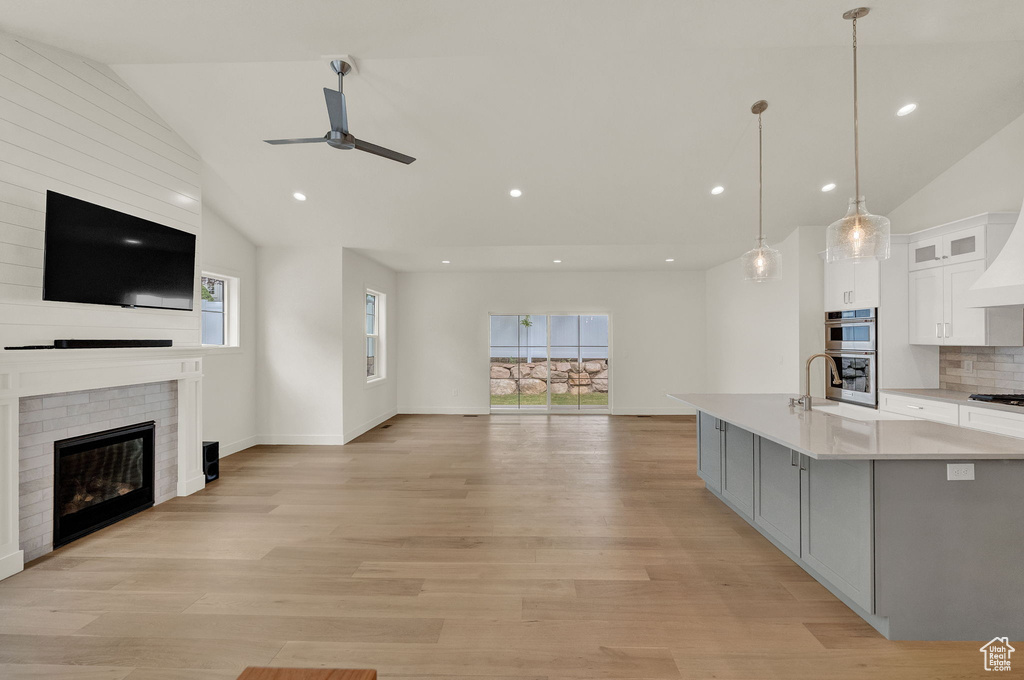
x=824, y=435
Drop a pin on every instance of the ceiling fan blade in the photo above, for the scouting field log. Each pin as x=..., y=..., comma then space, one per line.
x=381, y=151
x=336, y=110
x=302, y=140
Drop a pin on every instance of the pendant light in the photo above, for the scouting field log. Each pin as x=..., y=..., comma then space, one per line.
x=761, y=263
x=858, y=235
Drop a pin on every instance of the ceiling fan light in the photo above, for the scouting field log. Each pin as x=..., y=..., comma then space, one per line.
x=858, y=235
x=762, y=263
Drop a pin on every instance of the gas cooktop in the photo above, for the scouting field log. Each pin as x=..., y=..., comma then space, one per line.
x=1008, y=399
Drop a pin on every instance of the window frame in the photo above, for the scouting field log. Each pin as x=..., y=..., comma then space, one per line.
x=232, y=284
x=380, y=336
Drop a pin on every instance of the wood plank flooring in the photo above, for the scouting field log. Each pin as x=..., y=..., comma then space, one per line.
x=505, y=547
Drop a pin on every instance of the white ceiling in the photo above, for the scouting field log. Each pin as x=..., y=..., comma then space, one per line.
x=615, y=118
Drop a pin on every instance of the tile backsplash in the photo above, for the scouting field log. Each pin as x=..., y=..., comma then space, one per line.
x=984, y=370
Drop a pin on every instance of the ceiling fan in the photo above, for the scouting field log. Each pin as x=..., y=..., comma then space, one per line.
x=339, y=137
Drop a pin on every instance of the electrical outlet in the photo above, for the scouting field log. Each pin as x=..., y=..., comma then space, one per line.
x=958, y=472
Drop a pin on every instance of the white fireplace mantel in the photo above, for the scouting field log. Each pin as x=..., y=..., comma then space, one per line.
x=35, y=372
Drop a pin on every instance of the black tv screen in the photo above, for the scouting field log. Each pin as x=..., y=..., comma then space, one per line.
x=101, y=256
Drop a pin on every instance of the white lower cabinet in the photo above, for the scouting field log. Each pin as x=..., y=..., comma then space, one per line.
x=992, y=420
x=925, y=409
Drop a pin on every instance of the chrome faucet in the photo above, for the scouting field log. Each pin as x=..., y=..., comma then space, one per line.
x=805, y=400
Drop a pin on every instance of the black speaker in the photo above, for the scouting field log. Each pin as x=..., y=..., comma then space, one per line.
x=211, y=460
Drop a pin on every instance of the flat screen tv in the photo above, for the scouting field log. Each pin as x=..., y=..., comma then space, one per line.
x=101, y=256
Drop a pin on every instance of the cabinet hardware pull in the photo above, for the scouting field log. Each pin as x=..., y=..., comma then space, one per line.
x=802, y=462
x=936, y=258
x=945, y=257
x=792, y=458
x=919, y=408
x=948, y=329
x=938, y=330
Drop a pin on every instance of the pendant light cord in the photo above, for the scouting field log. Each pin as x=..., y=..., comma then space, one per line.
x=760, y=175
x=856, y=127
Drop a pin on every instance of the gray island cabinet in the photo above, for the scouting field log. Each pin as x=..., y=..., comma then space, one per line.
x=917, y=556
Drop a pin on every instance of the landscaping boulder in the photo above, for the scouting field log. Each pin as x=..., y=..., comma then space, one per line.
x=559, y=388
x=539, y=371
x=600, y=385
x=498, y=372
x=532, y=386
x=503, y=387
x=592, y=366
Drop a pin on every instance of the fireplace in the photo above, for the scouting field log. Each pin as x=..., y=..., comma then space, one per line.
x=100, y=479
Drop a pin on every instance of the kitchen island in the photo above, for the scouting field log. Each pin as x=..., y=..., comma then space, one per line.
x=860, y=499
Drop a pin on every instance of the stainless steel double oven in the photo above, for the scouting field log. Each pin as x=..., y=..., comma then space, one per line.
x=851, y=339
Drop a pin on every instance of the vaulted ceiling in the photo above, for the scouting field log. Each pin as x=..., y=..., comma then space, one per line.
x=615, y=118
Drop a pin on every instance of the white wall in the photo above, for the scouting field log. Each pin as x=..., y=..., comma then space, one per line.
x=657, y=329
x=299, y=345
x=760, y=334
x=229, y=373
x=71, y=125
x=988, y=179
x=367, y=405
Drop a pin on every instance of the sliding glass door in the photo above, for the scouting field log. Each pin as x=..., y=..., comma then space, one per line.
x=541, y=362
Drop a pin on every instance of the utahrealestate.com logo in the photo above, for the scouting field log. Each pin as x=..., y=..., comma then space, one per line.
x=997, y=653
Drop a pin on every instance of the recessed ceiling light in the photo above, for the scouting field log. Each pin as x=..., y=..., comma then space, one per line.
x=717, y=190
x=904, y=110
x=515, y=193
x=299, y=196
x=557, y=261
x=829, y=187
x=446, y=261
x=670, y=259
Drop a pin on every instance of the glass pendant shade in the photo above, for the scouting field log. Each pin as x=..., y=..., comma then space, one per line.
x=761, y=263
x=858, y=235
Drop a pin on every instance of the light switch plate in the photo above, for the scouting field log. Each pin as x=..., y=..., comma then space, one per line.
x=957, y=472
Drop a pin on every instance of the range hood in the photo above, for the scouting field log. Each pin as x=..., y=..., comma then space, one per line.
x=1002, y=284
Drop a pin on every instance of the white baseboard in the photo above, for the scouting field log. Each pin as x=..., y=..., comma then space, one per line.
x=11, y=564
x=240, y=445
x=187, y=487
x=301, y=439
x=445, y=410
x=368, y=425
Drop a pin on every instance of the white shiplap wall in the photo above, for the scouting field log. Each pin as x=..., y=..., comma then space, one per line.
x=73, y=126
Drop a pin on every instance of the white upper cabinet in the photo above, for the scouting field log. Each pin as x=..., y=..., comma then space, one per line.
x=944, y=263
x=926, y=253
x=851, y=285
x=963, y=245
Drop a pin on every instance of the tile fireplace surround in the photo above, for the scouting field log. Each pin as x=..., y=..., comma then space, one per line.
x=52, y=374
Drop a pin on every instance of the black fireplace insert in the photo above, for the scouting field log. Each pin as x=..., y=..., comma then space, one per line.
x=101, y=478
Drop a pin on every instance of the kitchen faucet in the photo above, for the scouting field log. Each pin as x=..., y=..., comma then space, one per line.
x=805, y=400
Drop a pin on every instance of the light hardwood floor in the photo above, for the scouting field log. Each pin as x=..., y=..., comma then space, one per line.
x=505, y=547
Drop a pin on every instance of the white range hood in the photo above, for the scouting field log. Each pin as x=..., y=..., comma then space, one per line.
x=1002, y=284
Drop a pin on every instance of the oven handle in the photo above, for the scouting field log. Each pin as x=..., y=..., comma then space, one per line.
x=850, y=352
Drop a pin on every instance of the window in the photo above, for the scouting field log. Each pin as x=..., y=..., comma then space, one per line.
x=375, y=327
x=219, y=310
